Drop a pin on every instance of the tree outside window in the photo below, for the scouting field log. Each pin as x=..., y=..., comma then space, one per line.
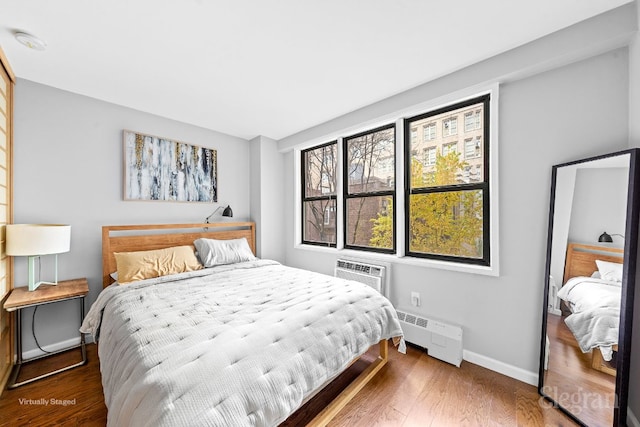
x=369, y=187
x=446, y=209
x=446, y=212
x=319, y=184
x=445, y=223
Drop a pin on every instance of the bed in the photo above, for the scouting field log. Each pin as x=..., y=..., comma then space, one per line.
x=592, y=293
x=243, y=343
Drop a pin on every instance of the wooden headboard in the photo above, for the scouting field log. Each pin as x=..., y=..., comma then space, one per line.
x=131, y=238
x=581, y=259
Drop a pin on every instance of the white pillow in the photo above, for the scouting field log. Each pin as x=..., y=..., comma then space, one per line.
x=218, y=252
x=611, y=271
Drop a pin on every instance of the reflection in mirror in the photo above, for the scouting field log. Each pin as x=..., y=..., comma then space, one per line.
x=584, y=359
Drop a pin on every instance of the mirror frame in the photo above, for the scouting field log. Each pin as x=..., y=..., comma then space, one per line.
x=623, y=360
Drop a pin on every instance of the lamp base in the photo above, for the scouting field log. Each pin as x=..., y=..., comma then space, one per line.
x=34, y=286
x=32, y=281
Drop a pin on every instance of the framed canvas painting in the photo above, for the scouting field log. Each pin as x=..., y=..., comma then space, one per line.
x=162, y=169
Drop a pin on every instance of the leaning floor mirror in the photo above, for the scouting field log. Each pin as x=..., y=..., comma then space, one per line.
x=589, y=285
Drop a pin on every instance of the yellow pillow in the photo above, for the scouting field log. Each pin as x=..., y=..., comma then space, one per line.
x=141, y=265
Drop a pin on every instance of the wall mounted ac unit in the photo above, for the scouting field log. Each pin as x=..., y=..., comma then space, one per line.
x=369, y=274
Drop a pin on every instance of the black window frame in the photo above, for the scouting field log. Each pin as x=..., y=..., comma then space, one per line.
x=305, y=198
x=346, y=195
x=483, y=186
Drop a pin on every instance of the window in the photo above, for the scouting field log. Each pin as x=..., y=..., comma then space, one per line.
x=429, y=132
x=319, y=194
x=450, y=126
x=430, y=156
x=369, y=194
x=387, y=166
x=447, y=209
x=451, y=147
x=472, y=120
x=329, y=215
x=472, y=148
x=326, y=183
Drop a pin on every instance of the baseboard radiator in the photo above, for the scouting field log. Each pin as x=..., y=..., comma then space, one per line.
x=369, y=274
x=442, y=340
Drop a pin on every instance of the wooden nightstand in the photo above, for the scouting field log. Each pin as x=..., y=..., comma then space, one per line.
x=21, y=298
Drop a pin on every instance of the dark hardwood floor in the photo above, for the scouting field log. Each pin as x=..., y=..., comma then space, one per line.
x=80, y=387
x=412, y=390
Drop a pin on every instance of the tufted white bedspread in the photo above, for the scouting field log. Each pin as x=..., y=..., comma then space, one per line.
x=595, y=317
x=238, y=345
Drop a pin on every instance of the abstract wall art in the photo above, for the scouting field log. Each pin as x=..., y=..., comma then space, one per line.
x=158, y=168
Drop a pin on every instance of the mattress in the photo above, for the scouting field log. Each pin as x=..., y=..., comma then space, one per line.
x=245, y=344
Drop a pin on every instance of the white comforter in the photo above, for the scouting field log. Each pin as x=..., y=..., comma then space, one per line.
x=595, y=318
x=243, y=345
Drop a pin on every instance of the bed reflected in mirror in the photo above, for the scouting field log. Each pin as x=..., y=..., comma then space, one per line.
x=585, y=343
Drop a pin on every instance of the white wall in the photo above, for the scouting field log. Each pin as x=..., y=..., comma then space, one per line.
x=255, y=192
x=267, y=197
x=68, y=169
x=545, y=119
x=599, y=204
x=599, y=34
x=562, y=208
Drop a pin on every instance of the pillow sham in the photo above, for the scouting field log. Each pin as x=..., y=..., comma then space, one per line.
x=611, y=271
x=133, y=266
x=219, y=252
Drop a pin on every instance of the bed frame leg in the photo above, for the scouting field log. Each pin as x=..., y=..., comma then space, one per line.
x=336, y=405
x=598, y=363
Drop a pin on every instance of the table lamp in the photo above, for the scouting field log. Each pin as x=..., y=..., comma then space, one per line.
x=35, y=240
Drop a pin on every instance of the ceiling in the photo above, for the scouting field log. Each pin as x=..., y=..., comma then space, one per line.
x=266, y=67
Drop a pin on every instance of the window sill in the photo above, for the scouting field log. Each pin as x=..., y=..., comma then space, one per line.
x=406, y=260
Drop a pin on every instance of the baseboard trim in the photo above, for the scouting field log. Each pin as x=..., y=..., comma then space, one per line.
x=632, y=420
x=555, y=311
x=501, y=367
x=36, y=352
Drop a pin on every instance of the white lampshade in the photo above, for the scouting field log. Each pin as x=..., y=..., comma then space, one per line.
x=38, y=239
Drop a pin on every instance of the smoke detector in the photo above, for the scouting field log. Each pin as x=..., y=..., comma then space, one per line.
x=30, y=41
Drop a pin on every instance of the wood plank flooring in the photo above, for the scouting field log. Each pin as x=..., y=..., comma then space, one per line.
x=571, y=381
x=82, y=386
x=411, y=390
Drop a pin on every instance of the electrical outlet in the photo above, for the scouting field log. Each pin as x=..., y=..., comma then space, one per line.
x=415, y=299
